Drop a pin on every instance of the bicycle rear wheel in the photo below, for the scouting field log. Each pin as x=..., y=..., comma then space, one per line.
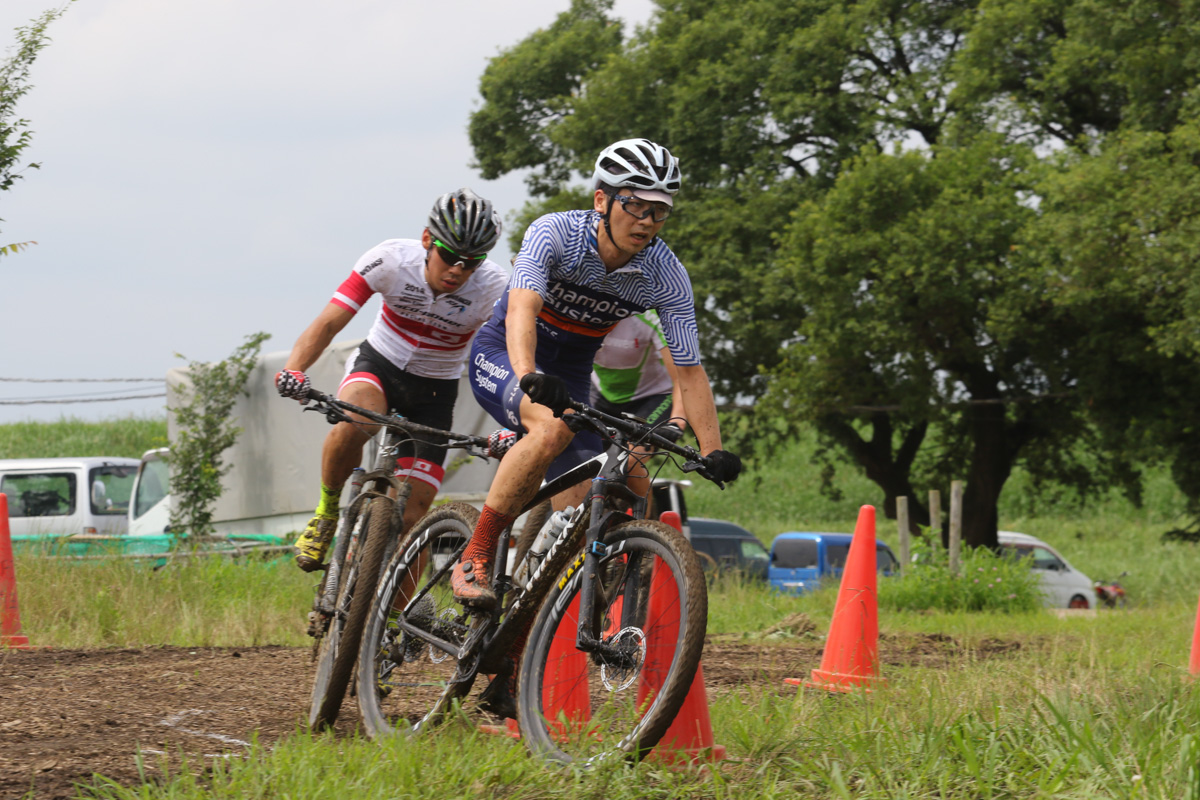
x=652, y=605
x=339, y=647
x=406, y=683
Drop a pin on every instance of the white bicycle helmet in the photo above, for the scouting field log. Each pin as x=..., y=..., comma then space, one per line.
x=647, y=168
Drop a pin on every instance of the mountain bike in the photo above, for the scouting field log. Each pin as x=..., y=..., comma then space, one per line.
x=621, y=611
x=368, y=531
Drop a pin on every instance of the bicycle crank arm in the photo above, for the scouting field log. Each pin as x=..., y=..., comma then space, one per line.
x=426, y=636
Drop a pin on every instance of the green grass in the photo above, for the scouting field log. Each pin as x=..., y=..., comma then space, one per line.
x=1086, y=708
x=1078, y=707
x=126, y=437
x=214, y=601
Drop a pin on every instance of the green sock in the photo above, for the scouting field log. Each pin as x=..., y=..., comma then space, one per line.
x=330, y=501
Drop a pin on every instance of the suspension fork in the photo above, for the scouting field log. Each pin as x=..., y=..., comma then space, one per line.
x=601, y=518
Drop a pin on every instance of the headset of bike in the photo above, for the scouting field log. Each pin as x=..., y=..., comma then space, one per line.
x=578, y=274
x=437, y=291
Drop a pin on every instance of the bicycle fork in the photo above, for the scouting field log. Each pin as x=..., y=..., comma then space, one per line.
x=589, y=638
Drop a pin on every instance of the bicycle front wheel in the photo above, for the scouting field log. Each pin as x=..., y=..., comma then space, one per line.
x=339, y=648
x=652, y=613
x=407, y=681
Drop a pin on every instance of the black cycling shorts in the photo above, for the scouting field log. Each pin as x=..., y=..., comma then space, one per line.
x=426, y=401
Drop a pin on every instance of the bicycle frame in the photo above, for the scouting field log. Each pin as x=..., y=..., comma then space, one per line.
x=377, y=481
x=608, y=473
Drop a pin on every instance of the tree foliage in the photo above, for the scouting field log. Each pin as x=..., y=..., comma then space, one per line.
x=205, y=432
x=15, y=135
x=909, y=223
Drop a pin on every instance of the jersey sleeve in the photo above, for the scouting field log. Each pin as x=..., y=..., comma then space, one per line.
x=677, y=313
x=541, y=250
x=358, y=288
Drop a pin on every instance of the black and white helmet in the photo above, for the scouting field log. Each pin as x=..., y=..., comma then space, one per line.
x=640, y=165
x=465, y=222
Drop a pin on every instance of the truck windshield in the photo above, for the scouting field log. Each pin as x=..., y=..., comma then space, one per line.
x=152, y=487
x=796, y=553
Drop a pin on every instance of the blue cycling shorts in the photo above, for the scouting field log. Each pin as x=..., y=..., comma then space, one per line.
x=497, y=389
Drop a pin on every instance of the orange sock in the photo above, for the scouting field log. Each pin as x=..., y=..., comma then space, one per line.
x=487, y=533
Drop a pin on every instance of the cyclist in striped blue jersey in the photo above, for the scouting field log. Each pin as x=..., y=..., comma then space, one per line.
x=577, y=275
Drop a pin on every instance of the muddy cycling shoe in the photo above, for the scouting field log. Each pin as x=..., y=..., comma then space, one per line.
x=469, y=580
x=314, y=541
x=500, y=696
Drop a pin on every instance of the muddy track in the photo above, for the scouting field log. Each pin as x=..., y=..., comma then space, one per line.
x=69, y=714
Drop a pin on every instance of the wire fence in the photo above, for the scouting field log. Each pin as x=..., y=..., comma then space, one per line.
x=103, y=396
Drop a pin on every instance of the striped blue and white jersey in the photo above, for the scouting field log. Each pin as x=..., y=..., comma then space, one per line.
x=582, y=301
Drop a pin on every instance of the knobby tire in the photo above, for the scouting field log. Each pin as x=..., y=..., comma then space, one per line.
x=340, y=646
x=583, y=708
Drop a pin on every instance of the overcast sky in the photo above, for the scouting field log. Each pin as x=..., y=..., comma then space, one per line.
x=212, y=168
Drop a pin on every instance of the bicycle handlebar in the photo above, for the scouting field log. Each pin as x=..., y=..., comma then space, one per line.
x=639, y=432
x=336, y=410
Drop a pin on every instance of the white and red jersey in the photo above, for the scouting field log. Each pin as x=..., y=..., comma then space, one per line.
x=417, y=332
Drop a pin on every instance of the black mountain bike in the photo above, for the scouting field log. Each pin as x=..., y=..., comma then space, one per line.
x=368, y=531
x=621, y=609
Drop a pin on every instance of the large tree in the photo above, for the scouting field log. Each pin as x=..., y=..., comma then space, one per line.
x=15, y=135
x=860, y=184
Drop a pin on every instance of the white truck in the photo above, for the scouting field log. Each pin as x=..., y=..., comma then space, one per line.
x=50, y=497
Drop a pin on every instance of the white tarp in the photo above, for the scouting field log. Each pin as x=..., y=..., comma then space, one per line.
x=274, y=481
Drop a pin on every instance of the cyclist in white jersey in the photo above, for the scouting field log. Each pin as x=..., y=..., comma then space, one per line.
x=578, y=274
x=436, y=292
x=635, y=374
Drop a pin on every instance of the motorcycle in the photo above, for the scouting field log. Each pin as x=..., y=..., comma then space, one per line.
x=1112, y=593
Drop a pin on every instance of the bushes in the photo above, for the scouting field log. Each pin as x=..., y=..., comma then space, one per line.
x=988, y=583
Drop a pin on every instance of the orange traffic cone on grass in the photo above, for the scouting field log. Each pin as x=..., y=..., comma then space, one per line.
x=851, y=657
x=690, y=737
x=565, y=697
x=10, y=617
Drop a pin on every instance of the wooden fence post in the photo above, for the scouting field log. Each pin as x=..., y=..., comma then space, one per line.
x=902, y=524
x=956, y=501
x=935, y=517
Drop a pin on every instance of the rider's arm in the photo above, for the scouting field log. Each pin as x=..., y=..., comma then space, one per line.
x=699, y=406
x=318, y=336
x=521, y=330
x=678, y=414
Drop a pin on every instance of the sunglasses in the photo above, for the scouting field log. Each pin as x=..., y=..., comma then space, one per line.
x=454, y=259
x=641, y=209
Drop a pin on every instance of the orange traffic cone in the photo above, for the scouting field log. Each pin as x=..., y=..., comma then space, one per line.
x=690, y=737
x=565, y=700
x=10, y=617
x=1194, y=661
x=851, y=657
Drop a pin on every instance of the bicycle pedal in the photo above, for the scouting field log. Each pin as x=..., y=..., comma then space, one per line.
x=317, y=624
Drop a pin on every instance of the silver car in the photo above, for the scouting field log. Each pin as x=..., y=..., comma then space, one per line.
x=1063, y=586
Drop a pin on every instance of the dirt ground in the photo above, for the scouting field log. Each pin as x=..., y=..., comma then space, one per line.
x=68, y=714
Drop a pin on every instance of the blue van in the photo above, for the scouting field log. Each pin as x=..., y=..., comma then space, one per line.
x=800, y=560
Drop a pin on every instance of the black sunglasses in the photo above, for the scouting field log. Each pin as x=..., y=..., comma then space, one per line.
x=452, y=258
x=640, y=209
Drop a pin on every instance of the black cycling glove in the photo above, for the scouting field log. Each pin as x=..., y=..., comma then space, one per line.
x=723, y=465
x=547, y=390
